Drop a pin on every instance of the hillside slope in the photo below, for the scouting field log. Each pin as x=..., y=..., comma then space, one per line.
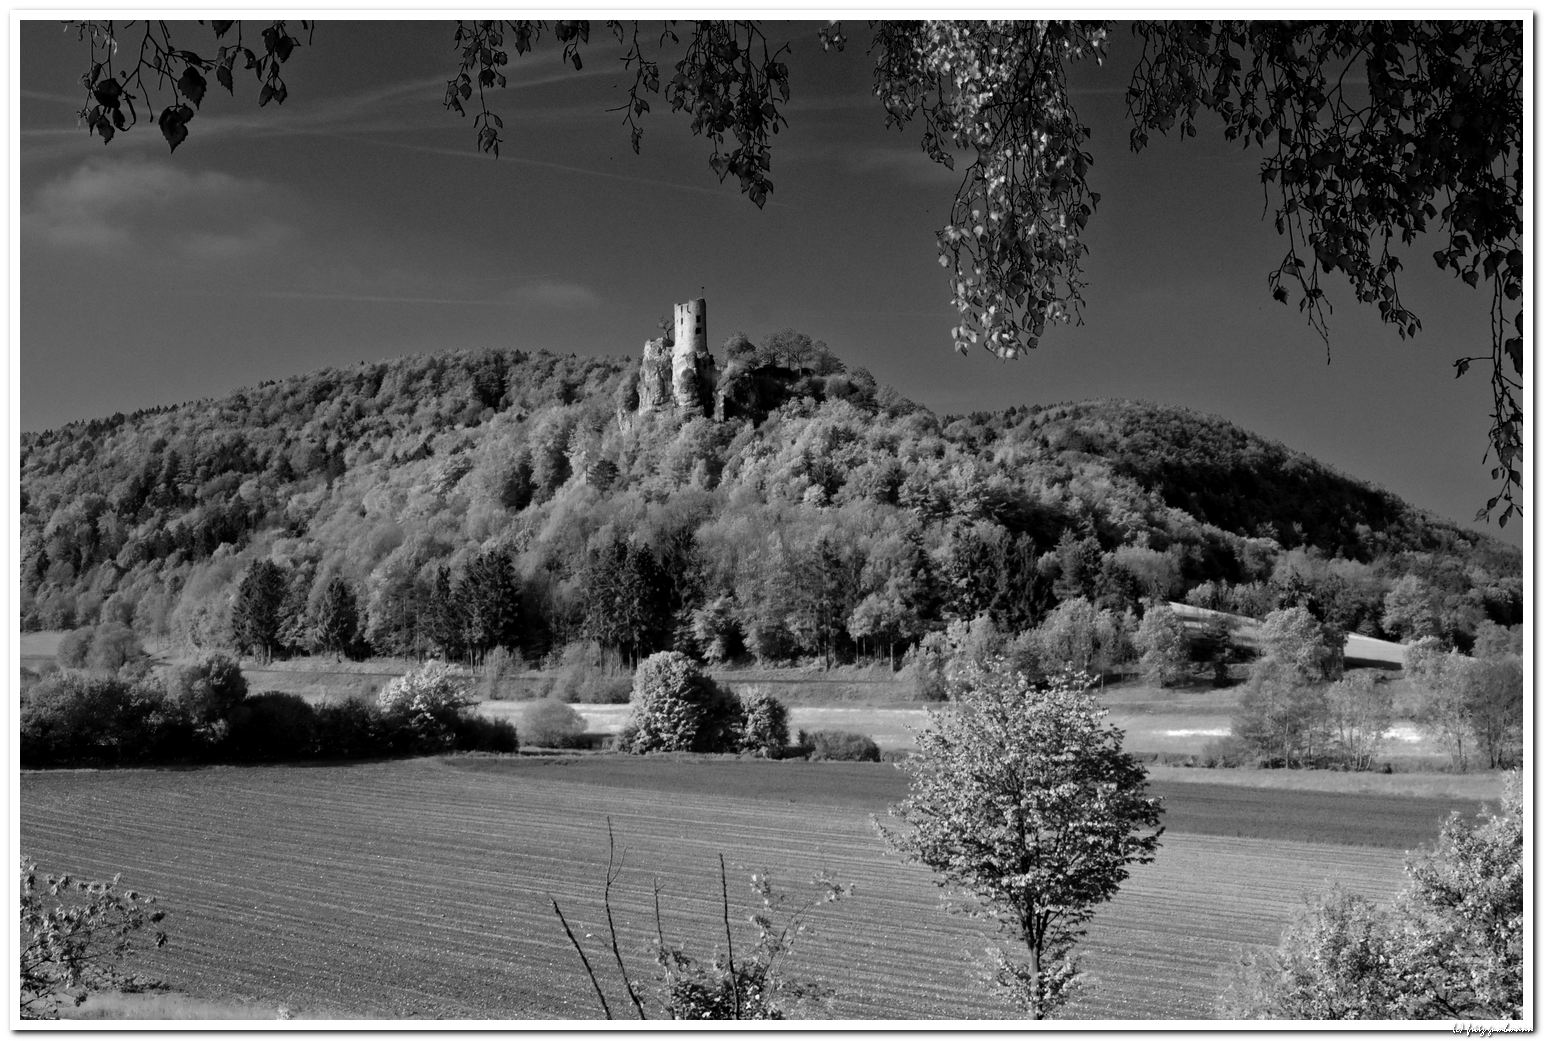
x=845, y=521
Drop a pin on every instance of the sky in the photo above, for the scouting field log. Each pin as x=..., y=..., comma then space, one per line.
x=358, y=222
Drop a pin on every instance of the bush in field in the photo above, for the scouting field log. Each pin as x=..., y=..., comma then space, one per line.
x=549, y=723
x=751, y=986
x=434, y=686
x=272, y=726
x=423, y=706
x=766, y=724
x=73, y=935
x=1449, y=948
x=471, y=732
x=351, y=729
x=160, y=728
x=840, y=745
x=208, y=690
x=742, y=981
x=678, y=708
x=1226, y=751
x=73, y=717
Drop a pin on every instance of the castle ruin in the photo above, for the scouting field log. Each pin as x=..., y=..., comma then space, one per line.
x=679, y=373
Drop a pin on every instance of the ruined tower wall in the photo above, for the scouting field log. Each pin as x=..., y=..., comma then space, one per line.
x=693, y=370
x=691, y=327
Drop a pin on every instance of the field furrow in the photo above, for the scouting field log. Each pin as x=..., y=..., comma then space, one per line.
x=419, y=889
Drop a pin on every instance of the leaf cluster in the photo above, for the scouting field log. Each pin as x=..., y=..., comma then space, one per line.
x=74, y=935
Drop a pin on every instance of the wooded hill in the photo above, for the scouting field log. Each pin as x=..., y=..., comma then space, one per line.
x=479, y=499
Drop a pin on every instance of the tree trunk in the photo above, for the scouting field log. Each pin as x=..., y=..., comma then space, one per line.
x=1034, y=981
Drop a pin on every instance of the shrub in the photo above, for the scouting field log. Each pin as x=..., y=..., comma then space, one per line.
x=677, y=708
x=840, y=745
x=1226, y=751
x=94, y=717
x=72, y=716
x=422, y=708
x=272, y=726
x=208, y=690
x=160, y=729
x=549, y=723
x=766, y=724
x=350, y=729
x=473, y=732
x=434, y=686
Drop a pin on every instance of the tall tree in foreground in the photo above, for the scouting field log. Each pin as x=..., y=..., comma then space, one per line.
x=1022, y=799
x=1450, y=947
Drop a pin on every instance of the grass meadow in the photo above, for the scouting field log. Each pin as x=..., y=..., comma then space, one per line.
x=421, y=888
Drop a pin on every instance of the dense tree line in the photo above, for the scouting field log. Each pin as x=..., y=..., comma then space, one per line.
x=203, y=712
x=459, y=504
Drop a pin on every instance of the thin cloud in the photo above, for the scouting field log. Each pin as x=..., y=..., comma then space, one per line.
x=554, y=293
x=104, y=208
x=539, y=291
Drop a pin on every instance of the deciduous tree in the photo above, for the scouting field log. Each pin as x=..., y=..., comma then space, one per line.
x=1450, y=947
x=1022, y=798
x=1162, y=643
x=1360, y=709
x=677, y=708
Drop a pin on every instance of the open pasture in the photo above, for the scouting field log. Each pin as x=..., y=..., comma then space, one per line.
x=1184, y=729
x=421, y=888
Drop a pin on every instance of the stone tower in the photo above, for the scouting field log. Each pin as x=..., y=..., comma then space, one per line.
x=694, y=374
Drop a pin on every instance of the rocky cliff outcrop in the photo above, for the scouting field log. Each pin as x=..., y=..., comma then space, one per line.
x=694, y=378
x=656, y=389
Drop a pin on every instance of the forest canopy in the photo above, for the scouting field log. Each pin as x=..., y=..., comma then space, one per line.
x=458, y=503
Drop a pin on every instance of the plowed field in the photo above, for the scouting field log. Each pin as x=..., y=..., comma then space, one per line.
x=420, y=888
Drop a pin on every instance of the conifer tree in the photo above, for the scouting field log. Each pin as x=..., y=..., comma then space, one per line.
x=257, y=612
x=337, y=618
